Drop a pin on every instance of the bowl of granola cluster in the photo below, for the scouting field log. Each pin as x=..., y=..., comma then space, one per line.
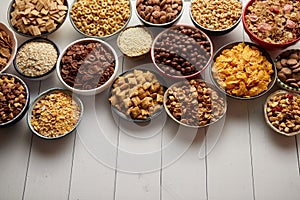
x=272, y=24
x=282, y=112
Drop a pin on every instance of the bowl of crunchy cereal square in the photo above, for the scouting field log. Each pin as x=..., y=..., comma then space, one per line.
x=243, y=70
x=282, y=112
x=272, y=24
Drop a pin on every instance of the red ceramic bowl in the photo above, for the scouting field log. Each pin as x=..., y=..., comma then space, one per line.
x=262, y=43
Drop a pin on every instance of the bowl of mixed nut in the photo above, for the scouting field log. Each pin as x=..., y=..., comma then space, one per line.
x=272, y=24
x=14, y=99
x=37, y=18
x=8, y=47
x=181, y=52
x=159, y=13
x=55, y=113
x=216, y=17
x=288, y=67
x=100, y=19
x=243, y=70
x=137, y=95
x=36, y=58
x=194, y=103
x=87, y=66
x=282, y=112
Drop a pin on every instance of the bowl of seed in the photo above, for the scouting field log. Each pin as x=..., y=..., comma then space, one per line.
x=14, y=99
x=55, y=113
x=36, y=58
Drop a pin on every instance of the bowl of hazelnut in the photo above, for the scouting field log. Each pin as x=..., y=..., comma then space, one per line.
x=194, y=103
x=159, y=13
x=14, y=99
x=87, y=66
x=282, y=112
x=181, y=52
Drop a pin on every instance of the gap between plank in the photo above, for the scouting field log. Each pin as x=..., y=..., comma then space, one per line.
x=297, y=151
x=72, y=164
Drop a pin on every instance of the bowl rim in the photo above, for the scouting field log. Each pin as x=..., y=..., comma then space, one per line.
x=264, y=53
x=259, y=40
x=10, y=9
x=220, y=31
x=278, y=92
x=10, y=32
x=186, y=76
x=99, y=37
x=25, y=107
x=164, y=24
x=43, y=94
x=211, y=86
x=37, y=39
x=124, y=116
x=96, y=90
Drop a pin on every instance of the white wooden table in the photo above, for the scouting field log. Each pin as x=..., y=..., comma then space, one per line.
x=107, y=158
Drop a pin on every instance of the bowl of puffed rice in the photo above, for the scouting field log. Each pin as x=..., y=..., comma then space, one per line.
x=216, y=17
x=100, y=19
x=272, y=24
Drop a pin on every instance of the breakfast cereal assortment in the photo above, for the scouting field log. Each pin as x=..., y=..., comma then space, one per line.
x=5, y=48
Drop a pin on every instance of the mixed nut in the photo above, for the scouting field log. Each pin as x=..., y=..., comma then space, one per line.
x=288, y=66
x=5, y=48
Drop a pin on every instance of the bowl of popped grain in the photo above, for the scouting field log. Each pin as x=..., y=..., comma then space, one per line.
x=243, y=70
x=282, y=112
x=100, y=19
x=87, y=66
x=14, y=99
x=55, y=113
x=36, y=58
x=37, y=18
x=272, y=24
x=8, y=47
x=194, y=103
x=216, y=17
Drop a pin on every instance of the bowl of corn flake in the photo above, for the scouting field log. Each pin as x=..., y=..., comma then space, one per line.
x=37, y=18
x=243, y=70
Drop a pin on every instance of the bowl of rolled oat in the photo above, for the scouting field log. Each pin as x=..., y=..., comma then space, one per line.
x=87, y=66
x=8, y=48
x=37, y=18
x=100, y=19
x=282, y=112
x=55, y=113
x=216, y=17
x=272, y=24
x=36, y=58
x=195, y=103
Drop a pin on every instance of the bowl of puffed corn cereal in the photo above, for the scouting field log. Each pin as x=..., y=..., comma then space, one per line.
x=37, y=18
x=100, y=19
x=55, y=113
x=282, y=112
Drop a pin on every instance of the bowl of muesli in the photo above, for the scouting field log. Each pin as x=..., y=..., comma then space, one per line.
x=272, y=24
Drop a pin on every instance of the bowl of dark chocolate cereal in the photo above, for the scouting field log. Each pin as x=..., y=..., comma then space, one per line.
x=14, y=99
x=87, y=66
x=36, y=58
x=182, y=51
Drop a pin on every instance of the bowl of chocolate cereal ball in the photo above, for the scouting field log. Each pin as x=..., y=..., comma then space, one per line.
x=55, y=113
x=36, y=58
x=272, y=24
x=37, y=18
x=216, y=17
x=159, y=13
x=282, y=112
x=100, y=19
x=137, y=95
x=288, y=67
x=181, y=52
x=87, y=66
x=194, y=103
x=14, y=99
x=8, y=47
x=243, y=70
